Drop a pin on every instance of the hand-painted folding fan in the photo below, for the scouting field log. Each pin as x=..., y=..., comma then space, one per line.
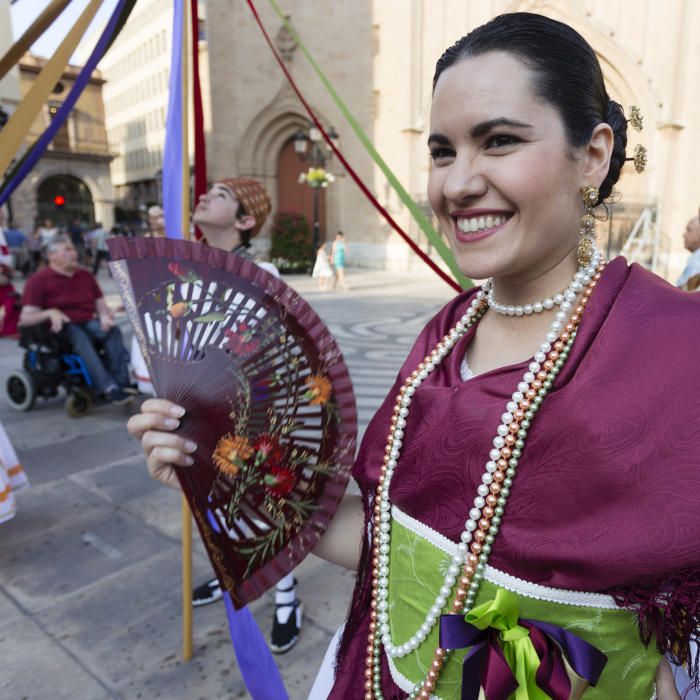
x=268, y=398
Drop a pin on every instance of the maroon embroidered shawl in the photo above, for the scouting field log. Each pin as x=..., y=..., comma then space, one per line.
x=607, y=494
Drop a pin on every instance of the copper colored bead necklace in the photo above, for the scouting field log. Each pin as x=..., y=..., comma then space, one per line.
x=489, y=506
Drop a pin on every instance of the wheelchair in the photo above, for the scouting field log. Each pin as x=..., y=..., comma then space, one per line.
x=49, y=365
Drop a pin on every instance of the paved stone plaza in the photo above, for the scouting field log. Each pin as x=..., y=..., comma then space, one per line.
x=90, y=602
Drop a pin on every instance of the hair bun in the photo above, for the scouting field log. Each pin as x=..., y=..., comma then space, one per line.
x=615, y=117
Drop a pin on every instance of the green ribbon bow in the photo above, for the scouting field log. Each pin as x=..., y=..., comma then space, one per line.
x=502, y=614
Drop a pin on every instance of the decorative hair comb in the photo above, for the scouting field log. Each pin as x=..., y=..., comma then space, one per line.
x=636, y=121
x=639, y=158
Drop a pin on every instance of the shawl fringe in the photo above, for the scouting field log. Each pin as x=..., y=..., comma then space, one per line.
x=362, y=593
x=668, y=609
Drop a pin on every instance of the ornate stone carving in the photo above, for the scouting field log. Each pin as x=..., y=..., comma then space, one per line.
x=284, y=42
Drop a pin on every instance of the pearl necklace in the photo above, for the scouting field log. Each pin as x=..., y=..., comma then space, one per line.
x=580, y=280
x=468, y=320
x=485, y=516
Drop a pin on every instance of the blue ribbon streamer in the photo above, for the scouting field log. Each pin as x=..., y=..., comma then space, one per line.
x=258, y=668
x=64, y=110
x=173, y=155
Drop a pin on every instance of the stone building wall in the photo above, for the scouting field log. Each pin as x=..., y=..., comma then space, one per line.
x=79, y=150
x=380, y=56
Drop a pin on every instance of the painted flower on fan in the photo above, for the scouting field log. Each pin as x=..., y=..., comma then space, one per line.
x=316, y=177
x=280, y=481
x=269, y=447
x=178, y=270
x=242, y=341
x=179, y=309
x=319, y=389
x=230, y=453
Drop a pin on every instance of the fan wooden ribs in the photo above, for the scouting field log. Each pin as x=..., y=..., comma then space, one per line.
x=268, y=401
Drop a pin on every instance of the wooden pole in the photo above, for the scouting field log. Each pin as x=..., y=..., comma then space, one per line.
x=186, y=514
x=186, y=580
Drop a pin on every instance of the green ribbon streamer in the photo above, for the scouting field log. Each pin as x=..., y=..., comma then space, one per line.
x=502, y=614
x=433, y=236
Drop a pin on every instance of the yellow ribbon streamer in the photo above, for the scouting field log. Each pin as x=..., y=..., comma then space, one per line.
x=502, y=614
x=37, y=28
x=21, y=121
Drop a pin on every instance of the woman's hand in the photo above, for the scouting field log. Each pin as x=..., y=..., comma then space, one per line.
x=162, y=448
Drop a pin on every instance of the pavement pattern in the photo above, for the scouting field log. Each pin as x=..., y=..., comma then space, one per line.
x=90, y=567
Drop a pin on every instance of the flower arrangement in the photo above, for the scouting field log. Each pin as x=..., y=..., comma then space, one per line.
x=316, y=177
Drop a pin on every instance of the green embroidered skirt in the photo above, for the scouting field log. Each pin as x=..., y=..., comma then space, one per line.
x=418, y=563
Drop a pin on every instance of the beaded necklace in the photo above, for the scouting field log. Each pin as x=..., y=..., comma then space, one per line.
x=485, y=517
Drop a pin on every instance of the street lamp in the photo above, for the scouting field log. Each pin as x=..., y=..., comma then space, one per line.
x=309, y=146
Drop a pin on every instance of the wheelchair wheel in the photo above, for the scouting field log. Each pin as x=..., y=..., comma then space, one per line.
x=20, y=390
x=78, y=403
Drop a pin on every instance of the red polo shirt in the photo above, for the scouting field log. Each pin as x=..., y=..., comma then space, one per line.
x=75, y=295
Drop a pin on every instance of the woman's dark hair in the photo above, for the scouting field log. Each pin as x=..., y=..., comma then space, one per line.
x=568, y=76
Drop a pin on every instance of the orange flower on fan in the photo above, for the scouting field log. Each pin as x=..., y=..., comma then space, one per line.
x=179, y=309
x=319, y=390
x=230, y=451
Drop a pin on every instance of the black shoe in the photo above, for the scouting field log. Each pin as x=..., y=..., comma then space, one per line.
x=208, y=592
x=286, y=634
x=119, y=397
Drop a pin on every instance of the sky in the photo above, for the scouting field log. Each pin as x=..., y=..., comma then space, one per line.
x=24, y=12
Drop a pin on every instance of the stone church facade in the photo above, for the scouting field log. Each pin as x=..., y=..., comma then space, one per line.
x=380, y=56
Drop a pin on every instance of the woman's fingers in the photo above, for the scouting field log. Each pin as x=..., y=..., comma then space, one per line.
x=154, y=439
x=163, y=448
x=167, y=408
x=161, y=456
x=156, y=414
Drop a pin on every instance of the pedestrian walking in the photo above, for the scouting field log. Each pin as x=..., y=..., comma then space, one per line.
x=339, y=253
x=156, y=222
x=322, y=271
x=9, y=299
x=690, y=277
x=97, y=239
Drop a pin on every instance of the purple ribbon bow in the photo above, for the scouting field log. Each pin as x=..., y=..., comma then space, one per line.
x=485, y=665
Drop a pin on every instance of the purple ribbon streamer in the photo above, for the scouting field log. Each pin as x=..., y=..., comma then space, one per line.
x=485, y=664
x=173, y=157
x=586, y=660
x=258, y=668
x=64, y=110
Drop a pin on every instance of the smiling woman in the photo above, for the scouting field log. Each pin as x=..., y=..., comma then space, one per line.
x=520, y=485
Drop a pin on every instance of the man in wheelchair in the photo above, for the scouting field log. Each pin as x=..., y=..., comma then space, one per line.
x=69, y=298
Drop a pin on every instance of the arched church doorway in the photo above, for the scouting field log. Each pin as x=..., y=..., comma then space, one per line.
x=64, y=198
x=296, y=198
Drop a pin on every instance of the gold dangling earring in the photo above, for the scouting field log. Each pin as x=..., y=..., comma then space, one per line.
x=586, y=242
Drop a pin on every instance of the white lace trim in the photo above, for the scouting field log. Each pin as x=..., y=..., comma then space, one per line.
x=464, y=369
x=503, y=579
x=401, y=680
